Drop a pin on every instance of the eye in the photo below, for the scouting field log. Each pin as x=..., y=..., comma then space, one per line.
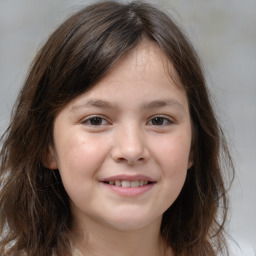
x=95, y=121
x=160, y=121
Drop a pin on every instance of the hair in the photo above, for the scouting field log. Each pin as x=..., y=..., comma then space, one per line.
x=35, y=216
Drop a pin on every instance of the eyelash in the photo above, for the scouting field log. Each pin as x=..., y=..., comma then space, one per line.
x=165, y=120
x=102, y=121
x=95, y=118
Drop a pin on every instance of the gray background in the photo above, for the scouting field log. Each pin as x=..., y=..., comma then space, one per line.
x=224, y=34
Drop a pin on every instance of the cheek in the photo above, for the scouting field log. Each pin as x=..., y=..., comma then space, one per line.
x=173, y=153
x=79, y=159
x=172, y=157
x=80, y=155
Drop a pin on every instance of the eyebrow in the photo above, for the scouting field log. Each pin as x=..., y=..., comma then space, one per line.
x=98, y=103
x=95, y=103
x=164, y=103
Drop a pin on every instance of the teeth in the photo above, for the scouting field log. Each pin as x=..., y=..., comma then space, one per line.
x=118, y=183
x=141, y=183
x=128, y=184
x=134, y=184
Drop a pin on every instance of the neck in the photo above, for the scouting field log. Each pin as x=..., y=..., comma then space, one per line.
x=98, y=240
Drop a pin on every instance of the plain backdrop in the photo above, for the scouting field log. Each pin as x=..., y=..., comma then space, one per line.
x=223, y=33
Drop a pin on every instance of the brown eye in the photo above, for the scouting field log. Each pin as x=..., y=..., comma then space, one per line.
x=95, y=121
x=160, y=121
x=157, y=121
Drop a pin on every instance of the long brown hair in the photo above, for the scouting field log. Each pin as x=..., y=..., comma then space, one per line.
x=35, y=216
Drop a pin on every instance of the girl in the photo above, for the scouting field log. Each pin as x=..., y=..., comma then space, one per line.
x=113, y=146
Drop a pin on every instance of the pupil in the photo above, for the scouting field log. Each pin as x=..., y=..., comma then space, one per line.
x=157, y=121
x=96, y=121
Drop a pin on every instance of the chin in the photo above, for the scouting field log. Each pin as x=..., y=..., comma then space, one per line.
x=132, y=223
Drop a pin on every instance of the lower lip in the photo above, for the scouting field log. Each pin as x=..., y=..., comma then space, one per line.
x=129, y=192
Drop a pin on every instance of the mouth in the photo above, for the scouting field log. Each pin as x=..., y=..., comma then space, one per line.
x=129, y=186
x=128, y=183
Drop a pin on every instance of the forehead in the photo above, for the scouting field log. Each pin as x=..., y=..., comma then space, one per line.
x=146, y=58
x=144, y=75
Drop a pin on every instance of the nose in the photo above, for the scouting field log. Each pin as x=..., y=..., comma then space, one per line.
x=130, y=146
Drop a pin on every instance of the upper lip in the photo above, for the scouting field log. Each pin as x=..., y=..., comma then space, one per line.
x=128, y=178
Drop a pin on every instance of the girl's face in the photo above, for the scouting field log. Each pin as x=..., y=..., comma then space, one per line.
x=122, y=149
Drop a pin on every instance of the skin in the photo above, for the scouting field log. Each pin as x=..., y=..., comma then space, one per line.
x=144, y=129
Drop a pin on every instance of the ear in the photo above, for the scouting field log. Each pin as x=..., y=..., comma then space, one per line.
x=49, y=161
x=190, y=163
x=190, y=158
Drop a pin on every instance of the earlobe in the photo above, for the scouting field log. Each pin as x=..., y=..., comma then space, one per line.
x=190, y=163
x=49, y=161
x=190, y=159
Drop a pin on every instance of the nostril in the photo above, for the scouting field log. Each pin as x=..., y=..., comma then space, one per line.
x=130, y=154
x=121, y=159
x=130, y=161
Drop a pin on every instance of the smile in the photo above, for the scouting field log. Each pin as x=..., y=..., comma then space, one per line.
x=129, y=186
x=127, y=183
